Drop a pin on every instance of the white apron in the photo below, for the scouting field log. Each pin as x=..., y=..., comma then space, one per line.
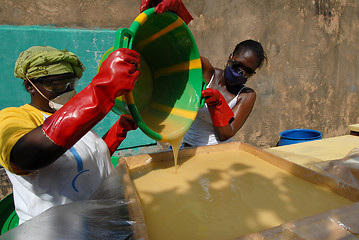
x=72, y=177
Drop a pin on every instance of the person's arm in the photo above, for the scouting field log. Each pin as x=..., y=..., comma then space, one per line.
x=221, y=114
x=176, y=6
x=207, y=69
x=45, y=144
x=118, y=132
x=241, y=112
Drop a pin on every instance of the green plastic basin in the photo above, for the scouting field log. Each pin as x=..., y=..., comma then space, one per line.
x=8, y=216
x=167, y=96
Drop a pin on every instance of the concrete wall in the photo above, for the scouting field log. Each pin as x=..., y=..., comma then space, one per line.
x=310, y=81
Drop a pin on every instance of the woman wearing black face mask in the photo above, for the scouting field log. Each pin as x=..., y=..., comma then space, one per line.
x=228, y=101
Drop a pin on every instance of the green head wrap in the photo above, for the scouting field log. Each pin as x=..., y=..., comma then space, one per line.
x=41, y=61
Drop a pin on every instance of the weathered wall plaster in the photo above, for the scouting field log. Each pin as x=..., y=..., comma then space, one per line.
x=310, y=80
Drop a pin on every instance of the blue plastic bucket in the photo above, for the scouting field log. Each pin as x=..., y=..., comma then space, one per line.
x=293, y=136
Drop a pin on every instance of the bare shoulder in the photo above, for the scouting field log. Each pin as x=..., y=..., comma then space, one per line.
x=249, y=90
x=207, y=69
x=248, y=94
x=205, y=62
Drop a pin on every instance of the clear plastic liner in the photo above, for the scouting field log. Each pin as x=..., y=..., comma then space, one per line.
x=343, y=171
x=342, y=175
x=341, y=223
x=112, y=212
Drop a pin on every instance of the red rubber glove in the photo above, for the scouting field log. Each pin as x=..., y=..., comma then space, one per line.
x=176, y=6
x=118, y=132
x=218, y=108
x=117, y=76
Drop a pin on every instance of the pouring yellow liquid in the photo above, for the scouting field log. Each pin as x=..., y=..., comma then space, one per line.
x=167, y=126
x=176, y=144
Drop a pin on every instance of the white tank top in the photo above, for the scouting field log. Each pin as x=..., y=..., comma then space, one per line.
x=72, y=177
x=201, y=132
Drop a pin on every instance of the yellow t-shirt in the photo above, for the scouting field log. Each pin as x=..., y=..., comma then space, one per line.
x=15, y=122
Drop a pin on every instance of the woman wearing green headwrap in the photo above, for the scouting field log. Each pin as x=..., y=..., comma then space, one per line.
x=50, y=153
x=42, y=61
x=48, y=149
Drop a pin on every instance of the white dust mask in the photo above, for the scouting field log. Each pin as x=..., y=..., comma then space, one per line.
x=57, y=102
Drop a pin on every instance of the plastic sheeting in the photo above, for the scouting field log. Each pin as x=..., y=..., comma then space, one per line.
x=340, y=223
x=112, y=212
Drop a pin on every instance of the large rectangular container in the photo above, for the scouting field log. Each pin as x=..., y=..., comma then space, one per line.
x=234, y=190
